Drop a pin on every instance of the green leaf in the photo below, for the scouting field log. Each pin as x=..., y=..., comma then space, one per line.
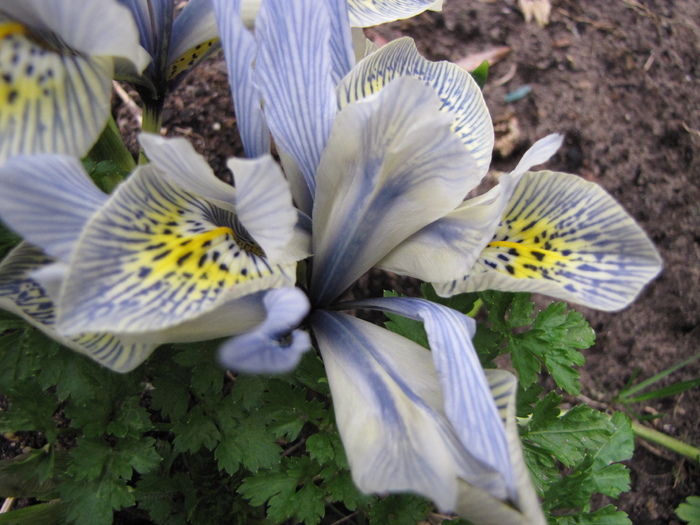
x=569, y=435
x=196, y=430
x=481, y=73
x=690, y=510
x=399, y=510
x=93, y=503
x=408, y=328
x=608, y=515
x=320, y=447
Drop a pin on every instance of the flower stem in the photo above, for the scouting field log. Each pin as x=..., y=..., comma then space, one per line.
x=665, y=441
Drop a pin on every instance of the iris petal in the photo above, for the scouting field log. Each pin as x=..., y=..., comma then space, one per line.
x=22, y=294
x=294, y=74
x=469, y=403
x=240, y=50
x=446, y=249
x=274, y=346
x=48, y=199
x=565, y=237
x=365, y=13
x=459, y=94
x=391, y=166
x=156, y=256
x=388, y=405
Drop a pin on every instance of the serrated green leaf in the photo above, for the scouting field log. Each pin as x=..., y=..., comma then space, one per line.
x=620, y=443
x=266, y=485
x=559, y=365
x=399, y=510
x=341, y=487
x=195, y=430
x=170, y=395
x=130, y=419
x=523, y=354
x=690, y=510
x=608, y=515
x=569, y=435
x=320, y=447
x=408, y=328
x=93, y=502
x=138, y=454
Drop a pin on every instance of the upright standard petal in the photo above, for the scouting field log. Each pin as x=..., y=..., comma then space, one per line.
x=391, y=166
x=240, y=50
x=157, y=256
x=293, y=71
x=275, y=346
x=22, y=294
x=365, y=13
x=389, y=410
x=565, y=237
x=469, y=403
x=446, y=249
x=459, y=93
x=343, y=55
x=48, y=199
x=195, y=37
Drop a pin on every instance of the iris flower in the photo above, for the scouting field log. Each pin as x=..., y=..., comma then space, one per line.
x=175, y=44
x=173, y=255
x=56, y=65
x=379, y=156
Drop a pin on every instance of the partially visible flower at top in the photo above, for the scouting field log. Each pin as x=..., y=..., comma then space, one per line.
x=175, y=44
x=173, y=255
x=56, y=65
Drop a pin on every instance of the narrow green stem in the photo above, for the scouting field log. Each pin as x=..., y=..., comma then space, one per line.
x=151, y=120
x=665, y=441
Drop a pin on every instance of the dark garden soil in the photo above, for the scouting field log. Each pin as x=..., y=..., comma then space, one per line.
x=621, y=80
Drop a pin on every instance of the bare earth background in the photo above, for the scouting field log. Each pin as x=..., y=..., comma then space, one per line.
x=621, y=80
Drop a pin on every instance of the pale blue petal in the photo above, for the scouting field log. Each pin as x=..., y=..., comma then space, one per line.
x=48, y=199
x=22, y=294
x=469, y=403
x=391, y=167
x=293, y=71
x=365, y=13
x=459, y=94
x=343, y=55
x=264, y=205
x=156, y=256
x=389, y=410
x=154, y=19
x=240, y=50
x=445, y=250
x=52, y=102
x=195, y=25
x=275, y=346
x=177, y=159
x=565, y=237
x=103, y=28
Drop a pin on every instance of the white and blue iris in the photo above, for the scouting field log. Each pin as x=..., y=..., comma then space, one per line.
x=378, y=156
